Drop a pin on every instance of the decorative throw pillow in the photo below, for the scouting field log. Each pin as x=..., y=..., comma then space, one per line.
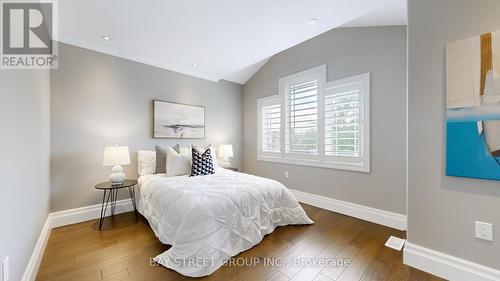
x=161, y=158
x=146, y=162
x=212, y=152
x=178, y=164
x=202, y=162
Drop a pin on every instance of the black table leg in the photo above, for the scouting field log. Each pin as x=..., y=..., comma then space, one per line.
x=114, y=201
x=114, y=194
x=131, y=191
x=110, y=197
x=104, y=206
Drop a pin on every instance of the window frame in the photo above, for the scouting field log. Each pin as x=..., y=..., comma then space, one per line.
x=262, y=102
x=317, y=73
x=359, y=164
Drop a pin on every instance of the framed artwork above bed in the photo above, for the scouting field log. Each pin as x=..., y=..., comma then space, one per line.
x=178, y=121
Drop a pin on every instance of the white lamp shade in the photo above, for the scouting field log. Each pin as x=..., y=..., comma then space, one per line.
x=116, y=155
x=226, y=150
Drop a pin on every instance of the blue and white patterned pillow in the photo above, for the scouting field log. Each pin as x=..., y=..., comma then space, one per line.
x=202, y=162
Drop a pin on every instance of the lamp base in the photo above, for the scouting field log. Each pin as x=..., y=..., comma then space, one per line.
x=117, y=175
x=225, y=162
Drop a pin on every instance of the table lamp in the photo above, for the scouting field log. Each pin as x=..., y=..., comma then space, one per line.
x=225, y=151
x=116, y=156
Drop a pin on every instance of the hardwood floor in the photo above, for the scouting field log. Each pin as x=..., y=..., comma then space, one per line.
x=122, y=251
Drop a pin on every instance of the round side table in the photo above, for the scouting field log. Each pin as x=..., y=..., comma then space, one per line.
x=110, y=195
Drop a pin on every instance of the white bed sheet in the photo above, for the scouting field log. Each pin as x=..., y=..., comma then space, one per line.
x=208, y=219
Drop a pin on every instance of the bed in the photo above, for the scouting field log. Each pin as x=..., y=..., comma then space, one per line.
x=209, y=219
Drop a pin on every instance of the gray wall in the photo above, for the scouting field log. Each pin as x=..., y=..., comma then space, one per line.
x=99, y=100
x=24, y=149
x=441, y=209
x=347, y=51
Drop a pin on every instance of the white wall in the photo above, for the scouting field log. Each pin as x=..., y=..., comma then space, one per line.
x=346, y=52
x=24, y=169
x=441, y=209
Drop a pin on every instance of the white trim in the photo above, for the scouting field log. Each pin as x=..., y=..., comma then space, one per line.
x=63, y=218
x=446, y=266
x=36, y=256
x=370, y=214
x=82, y=214
x=407, y=144
x=315, y=163
x=318, y=72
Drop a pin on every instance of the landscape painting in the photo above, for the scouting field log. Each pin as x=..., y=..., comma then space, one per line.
x=473, y=107
x=178, y=121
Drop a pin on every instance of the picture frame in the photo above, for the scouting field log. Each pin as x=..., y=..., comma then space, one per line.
x=178, y=121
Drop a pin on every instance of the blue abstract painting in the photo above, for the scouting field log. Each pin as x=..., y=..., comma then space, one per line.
x=473, y=107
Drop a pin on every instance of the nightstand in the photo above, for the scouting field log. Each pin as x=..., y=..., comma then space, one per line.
x=111, y=191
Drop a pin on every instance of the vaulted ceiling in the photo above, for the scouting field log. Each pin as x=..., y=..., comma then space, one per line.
x=219, y=39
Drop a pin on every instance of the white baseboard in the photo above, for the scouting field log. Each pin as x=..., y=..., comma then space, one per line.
x=82, y=214
x=62, y=218
x=390, y=219
x=36, y=256
x=446, y=266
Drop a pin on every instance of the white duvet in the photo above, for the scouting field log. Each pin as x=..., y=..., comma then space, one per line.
x=208, y=219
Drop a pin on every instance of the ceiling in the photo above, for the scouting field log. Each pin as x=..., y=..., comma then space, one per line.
x=221, y=39
x=392, y=12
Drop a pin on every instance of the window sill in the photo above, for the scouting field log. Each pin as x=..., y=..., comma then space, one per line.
x=365, y=168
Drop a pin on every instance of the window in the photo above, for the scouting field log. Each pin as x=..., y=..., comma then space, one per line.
x=346, y=113
x=269, y=112
x=300, y=93
x=342, y=123
x=301, y=119
x=315, y=123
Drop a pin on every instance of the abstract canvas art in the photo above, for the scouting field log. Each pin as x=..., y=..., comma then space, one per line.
x=178, y=121
x=473, y=107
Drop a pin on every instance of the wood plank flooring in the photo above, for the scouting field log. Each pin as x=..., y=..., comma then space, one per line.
x=122, y=251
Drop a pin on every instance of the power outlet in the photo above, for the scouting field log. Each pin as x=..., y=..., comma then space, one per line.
x=484, y=231
x=287, y=175
x=5, y=269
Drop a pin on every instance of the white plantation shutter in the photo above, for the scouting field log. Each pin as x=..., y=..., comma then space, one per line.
x=314, y=123
x=301, y=121
x=346, y=114
x=271, y=125
x=342, y=122
x=269, y=114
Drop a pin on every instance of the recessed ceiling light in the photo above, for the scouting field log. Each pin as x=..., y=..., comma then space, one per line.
x=107, y=38
x=312, y=22
x=195, y=65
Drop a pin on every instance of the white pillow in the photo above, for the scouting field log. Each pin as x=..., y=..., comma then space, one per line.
x=214, y=158
x=178, y=163
x=146, y=162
